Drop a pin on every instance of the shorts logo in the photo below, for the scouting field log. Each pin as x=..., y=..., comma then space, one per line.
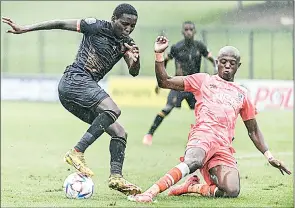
x=90, y=21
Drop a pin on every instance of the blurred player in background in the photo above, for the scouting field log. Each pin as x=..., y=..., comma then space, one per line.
x=187, y=54
x=209, y=146
x=104, y=43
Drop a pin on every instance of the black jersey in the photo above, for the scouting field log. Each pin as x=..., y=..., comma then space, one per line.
x=99, y=50
x=189, y=56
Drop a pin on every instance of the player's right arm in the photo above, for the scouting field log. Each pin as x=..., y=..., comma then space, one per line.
x=168, y=57
x=70, y=24
x=165, y=81
x=189, y=83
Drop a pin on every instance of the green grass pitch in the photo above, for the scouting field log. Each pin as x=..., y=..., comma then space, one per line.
x=35, y=137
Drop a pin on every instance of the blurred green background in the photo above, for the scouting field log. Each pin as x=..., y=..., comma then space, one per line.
x=49, y=52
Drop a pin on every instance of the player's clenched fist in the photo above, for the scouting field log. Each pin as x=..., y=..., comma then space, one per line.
x=161, y=44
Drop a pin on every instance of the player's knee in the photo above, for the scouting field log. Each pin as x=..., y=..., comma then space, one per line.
x=114, y=113
x=230, y=191
x=193, y=163
x=233, y=192
x=117, y=111
x=194, y=158
x=167, y=109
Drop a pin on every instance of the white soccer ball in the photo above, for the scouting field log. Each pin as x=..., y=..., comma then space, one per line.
x=78, y=186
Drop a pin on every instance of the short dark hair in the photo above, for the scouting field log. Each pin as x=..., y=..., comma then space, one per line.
x=124, y=9
x=188, y=22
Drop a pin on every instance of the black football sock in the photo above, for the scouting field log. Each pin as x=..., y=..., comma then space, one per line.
x=158, y=120
x=117, y=149
x=97, y=128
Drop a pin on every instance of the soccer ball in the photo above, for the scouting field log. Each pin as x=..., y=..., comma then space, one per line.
x=78, y=186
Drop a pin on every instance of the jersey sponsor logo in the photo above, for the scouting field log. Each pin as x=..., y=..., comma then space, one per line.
x=90, y=21
x=227, y=100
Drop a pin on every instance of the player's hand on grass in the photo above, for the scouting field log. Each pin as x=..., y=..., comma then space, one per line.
x=16, y=29
x=133, y=51
x=161, y=44
x=278, y=164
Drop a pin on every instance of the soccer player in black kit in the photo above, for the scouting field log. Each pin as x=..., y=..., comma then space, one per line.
x=104, y=43
x=187, y=54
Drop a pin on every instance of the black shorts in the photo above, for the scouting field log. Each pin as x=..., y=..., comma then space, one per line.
x=79, y=93
x=176, y=97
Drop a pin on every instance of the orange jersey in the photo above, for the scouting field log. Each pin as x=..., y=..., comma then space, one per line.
x=218, y=104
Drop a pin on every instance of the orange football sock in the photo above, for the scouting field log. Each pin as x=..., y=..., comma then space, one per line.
x=170, y=178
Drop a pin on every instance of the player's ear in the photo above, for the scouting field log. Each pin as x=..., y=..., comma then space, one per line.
x=113, y=18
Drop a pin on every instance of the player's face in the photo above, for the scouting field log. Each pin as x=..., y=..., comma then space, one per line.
x=189, y=31
x=227, y=67
x=124, y=25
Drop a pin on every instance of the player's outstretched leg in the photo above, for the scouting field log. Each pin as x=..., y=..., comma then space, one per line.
x=193, y=160
x=148, y=138
x=117, y=150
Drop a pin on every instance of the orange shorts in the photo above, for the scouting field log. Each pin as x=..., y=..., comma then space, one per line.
x=216, y=152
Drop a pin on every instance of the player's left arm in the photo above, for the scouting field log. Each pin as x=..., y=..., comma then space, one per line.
x=208, y=55
x=247, y=113
x=131, y=57
x=257, y=138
